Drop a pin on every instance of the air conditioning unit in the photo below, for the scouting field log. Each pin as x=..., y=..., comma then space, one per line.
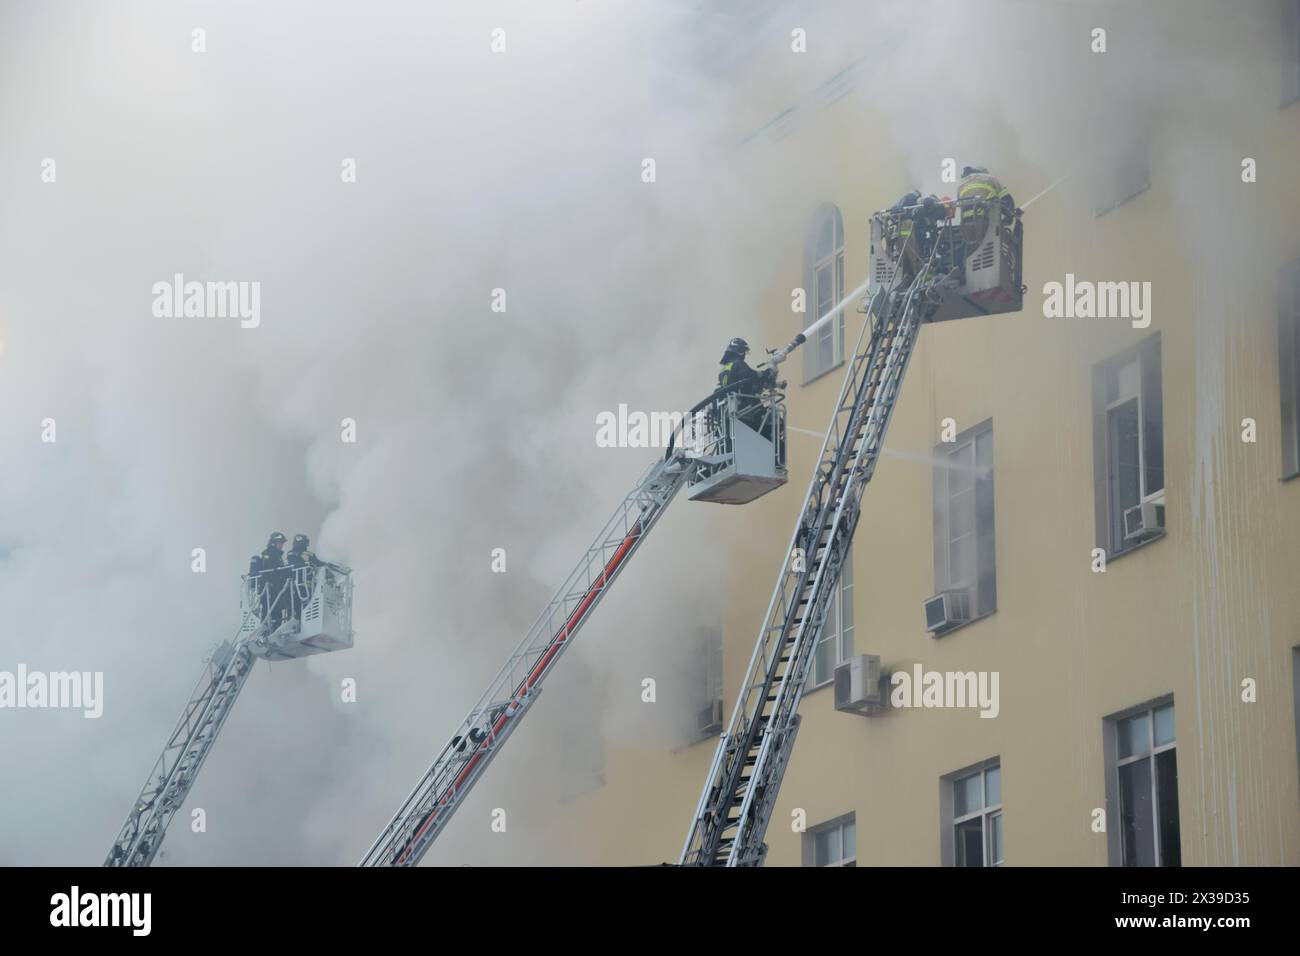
x=947, y=609
x=709, y=721
x=1144, y=520
x=858, y=685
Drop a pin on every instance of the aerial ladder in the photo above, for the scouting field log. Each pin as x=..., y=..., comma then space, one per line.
x=976, y=272
x=732, y=450
x=728, y=449
x=318, y=602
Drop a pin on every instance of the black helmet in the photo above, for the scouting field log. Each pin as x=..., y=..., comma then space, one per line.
x=967, y=170
x=300, y=542
x=738, y=345
x=276, y=538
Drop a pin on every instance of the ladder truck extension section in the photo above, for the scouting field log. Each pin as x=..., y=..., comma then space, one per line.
x=959, y=278
x=737, y=454
x=320, y=602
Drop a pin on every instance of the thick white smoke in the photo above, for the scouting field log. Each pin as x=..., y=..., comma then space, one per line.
x=475, y=171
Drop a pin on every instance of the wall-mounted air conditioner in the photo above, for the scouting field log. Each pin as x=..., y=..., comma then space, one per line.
x=947, y=609
x=709, y=720
x=858, y=685
x=1144, y=520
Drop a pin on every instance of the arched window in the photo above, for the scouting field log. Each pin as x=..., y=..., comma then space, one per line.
x=824, y=285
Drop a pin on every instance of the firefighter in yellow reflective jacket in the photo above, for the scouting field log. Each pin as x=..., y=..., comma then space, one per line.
x=978, y=190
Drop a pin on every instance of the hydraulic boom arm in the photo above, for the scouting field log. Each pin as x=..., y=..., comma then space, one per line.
x=321, y=620
x=183, y=756
x=517, y=685
x=734, y=808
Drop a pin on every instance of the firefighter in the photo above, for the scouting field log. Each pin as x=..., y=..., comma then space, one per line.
x=918, y=229
x=271, y=577
x=928, y=219
x=902, y=245
x=300, y=556
x=302, y=581
x=978, y=189
x=735, y=369
x=255, y=583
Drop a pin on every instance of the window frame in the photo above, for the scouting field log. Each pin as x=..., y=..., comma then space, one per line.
x=1290, y=53
x=712, y=691
x=1140, y=152
x=843, y=596
x=983, y=604
x=713, y=681
x=1295, y=700
x=986, y=813
x=1109, y=517
x=813, y=265
x=1288, y=351
x=1114, y=790
x=808, y=855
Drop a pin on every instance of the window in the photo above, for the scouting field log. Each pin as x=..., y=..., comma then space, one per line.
x=1122, y=172
x=1128, y=440
x=824, y=284
x=709, y=716
x=1143, y=785
x=972, y=805
x=835, y=645
x=1288, y=350
x=964, y=558
x=1295, y=694
x=832, y=844
x=1291, y=52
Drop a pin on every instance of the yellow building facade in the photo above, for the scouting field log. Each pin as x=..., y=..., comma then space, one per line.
x=1146, y=713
